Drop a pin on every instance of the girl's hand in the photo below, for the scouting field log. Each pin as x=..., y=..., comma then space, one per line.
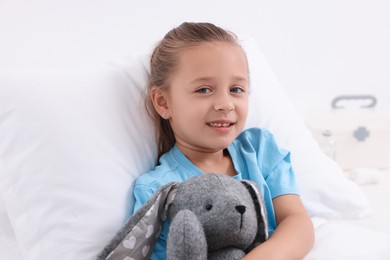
x=294, y=235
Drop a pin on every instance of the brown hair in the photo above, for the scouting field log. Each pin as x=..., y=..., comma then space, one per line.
x=164, y=61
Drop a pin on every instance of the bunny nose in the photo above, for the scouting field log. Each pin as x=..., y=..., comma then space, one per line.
x=241, y=209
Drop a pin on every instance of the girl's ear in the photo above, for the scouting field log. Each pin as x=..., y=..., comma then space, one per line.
x=158, y=97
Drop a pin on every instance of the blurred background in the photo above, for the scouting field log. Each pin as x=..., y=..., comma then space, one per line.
x=321, y=51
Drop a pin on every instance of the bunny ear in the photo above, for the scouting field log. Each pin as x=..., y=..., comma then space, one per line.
x=262, y=230
x=139, y=234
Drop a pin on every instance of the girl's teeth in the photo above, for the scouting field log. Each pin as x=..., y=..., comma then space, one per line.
x=220, y=125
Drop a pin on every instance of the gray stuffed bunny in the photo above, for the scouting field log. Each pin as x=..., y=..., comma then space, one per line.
x=212, y=217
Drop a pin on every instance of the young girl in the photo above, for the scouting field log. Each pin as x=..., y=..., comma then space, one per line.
x=198, y=89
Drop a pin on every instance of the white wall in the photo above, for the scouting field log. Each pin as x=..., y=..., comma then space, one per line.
x=66, y=32
x=318, y=49
x=321, y=49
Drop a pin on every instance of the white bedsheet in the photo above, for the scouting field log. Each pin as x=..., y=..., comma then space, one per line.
x=378, y=195
x=347, y=239
x=8, y=245
x=335, y=240
x=341, y=240
x=362, y=239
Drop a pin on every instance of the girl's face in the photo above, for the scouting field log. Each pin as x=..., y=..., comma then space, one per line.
x=207, y=98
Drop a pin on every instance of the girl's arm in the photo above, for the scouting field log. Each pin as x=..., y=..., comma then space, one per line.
x=294, y=235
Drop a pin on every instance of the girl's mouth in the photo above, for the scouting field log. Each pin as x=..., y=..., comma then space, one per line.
x=219, y=124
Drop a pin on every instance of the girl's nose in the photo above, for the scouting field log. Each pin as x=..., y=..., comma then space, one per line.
x=224, y=104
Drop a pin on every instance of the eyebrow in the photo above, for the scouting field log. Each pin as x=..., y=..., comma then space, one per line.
x=208, y=79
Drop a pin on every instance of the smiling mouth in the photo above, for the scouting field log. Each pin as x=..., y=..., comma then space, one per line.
x=220, y=124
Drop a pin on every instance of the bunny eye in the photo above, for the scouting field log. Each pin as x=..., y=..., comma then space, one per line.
x=209, y=206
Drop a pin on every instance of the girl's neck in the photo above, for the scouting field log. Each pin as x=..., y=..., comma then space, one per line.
x=211, y=161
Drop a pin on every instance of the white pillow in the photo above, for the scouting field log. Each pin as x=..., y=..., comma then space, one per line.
x=72, y=141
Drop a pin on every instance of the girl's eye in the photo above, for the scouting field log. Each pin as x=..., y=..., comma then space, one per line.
x=237, y=90
x=203, y=90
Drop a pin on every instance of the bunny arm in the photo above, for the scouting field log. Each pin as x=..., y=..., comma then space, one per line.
x=186, y=239
x=230, y=253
